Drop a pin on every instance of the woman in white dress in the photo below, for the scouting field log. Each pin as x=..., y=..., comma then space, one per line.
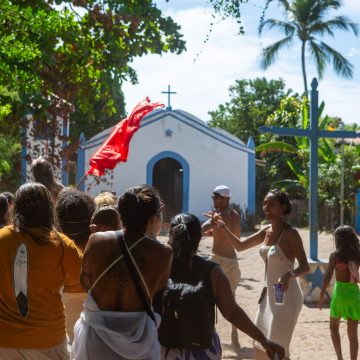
x=281, y=245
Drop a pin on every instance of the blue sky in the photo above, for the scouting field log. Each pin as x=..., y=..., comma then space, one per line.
x=202, y=85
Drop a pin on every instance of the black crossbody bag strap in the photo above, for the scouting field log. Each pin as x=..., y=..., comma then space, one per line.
x=134, y=274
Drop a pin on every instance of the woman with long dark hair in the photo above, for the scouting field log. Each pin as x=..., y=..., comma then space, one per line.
x=281, y=245
x=35, y=260
x=345, y=300
x=117, y=321
x=187, y=267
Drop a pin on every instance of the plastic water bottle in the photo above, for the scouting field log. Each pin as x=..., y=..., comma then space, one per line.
x=279, y=294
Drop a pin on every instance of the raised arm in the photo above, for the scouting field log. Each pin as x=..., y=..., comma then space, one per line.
x=236, y=242
x=247, y=243
x=327, y=278
x=236, y=315
x=207, y=226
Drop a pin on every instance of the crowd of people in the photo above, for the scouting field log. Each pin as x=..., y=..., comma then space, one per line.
x=87, y=278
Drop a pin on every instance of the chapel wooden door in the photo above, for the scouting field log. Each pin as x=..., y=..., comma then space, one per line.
x=168, y=179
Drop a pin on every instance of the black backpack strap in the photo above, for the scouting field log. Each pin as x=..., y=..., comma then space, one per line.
x=134, y=274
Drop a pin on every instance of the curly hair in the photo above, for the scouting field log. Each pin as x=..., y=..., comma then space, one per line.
x=33, y=212
x=74, y=210
x=106, y=215
x=283, y=199
x=136, y=206
x=105, y=198
x=9, y=196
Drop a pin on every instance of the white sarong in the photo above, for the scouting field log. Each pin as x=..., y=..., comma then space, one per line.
x=114, y=335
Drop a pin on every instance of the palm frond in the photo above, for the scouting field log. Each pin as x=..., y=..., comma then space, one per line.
x=326, y=151
x=286, y=27
x=285, y=4
x=276, y=146
x=321, y=108
x=320, y=57
x=305, y=113
x=270, y=52
x=295, y=168
x=341, y=65
x=337, y=23
x=324, y=121
x=288, y=185
x=320, y=8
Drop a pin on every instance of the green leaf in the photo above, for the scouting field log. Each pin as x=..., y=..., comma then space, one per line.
x=276, y=146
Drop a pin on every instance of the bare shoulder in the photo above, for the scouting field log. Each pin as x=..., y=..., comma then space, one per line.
x=292, y=234
x=160, y=248
x=217, y=275
x=100, y=241
x=234, y=214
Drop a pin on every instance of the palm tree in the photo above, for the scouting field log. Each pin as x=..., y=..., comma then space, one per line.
x=307, y=20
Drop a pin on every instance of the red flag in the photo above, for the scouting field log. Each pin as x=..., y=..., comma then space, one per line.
x=116, y=146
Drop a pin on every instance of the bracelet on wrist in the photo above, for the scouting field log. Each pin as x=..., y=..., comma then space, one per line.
x=221, y=226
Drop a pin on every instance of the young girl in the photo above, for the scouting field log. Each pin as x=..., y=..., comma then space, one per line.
x=105, y=218
x=345, y=302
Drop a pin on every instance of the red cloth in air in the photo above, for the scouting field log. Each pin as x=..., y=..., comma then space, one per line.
x=116, y=147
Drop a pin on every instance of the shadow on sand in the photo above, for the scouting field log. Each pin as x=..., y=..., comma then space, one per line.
x=229, y=352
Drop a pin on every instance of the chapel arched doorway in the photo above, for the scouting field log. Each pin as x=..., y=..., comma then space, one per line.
x=168, y=178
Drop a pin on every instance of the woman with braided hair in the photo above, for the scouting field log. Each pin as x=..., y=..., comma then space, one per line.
x=189, y=268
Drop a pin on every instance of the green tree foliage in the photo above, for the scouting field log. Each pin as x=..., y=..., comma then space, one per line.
x=255, y=103
x=251, y=103
x=9, y=143
x=307, y=20
x=296, y=151
x=79, y=51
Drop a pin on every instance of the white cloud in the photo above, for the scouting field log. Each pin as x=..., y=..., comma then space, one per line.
x=351, y=7
x=202, y=85
x=353, y=52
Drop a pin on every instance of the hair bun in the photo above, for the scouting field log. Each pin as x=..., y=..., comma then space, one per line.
x=181, y=227
x=130, y=197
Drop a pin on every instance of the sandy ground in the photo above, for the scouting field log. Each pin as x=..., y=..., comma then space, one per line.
x=311, y=339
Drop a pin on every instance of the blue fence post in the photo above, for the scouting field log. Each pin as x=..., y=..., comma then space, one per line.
x=251, y=177
x=314, y=159
x=81, y=161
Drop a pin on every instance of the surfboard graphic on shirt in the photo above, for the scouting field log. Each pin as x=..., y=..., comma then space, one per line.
x=21, y=279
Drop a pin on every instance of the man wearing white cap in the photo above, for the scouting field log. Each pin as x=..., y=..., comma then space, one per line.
x=223, y=252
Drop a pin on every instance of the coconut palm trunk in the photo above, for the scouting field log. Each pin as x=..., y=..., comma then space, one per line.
x=303, y=67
